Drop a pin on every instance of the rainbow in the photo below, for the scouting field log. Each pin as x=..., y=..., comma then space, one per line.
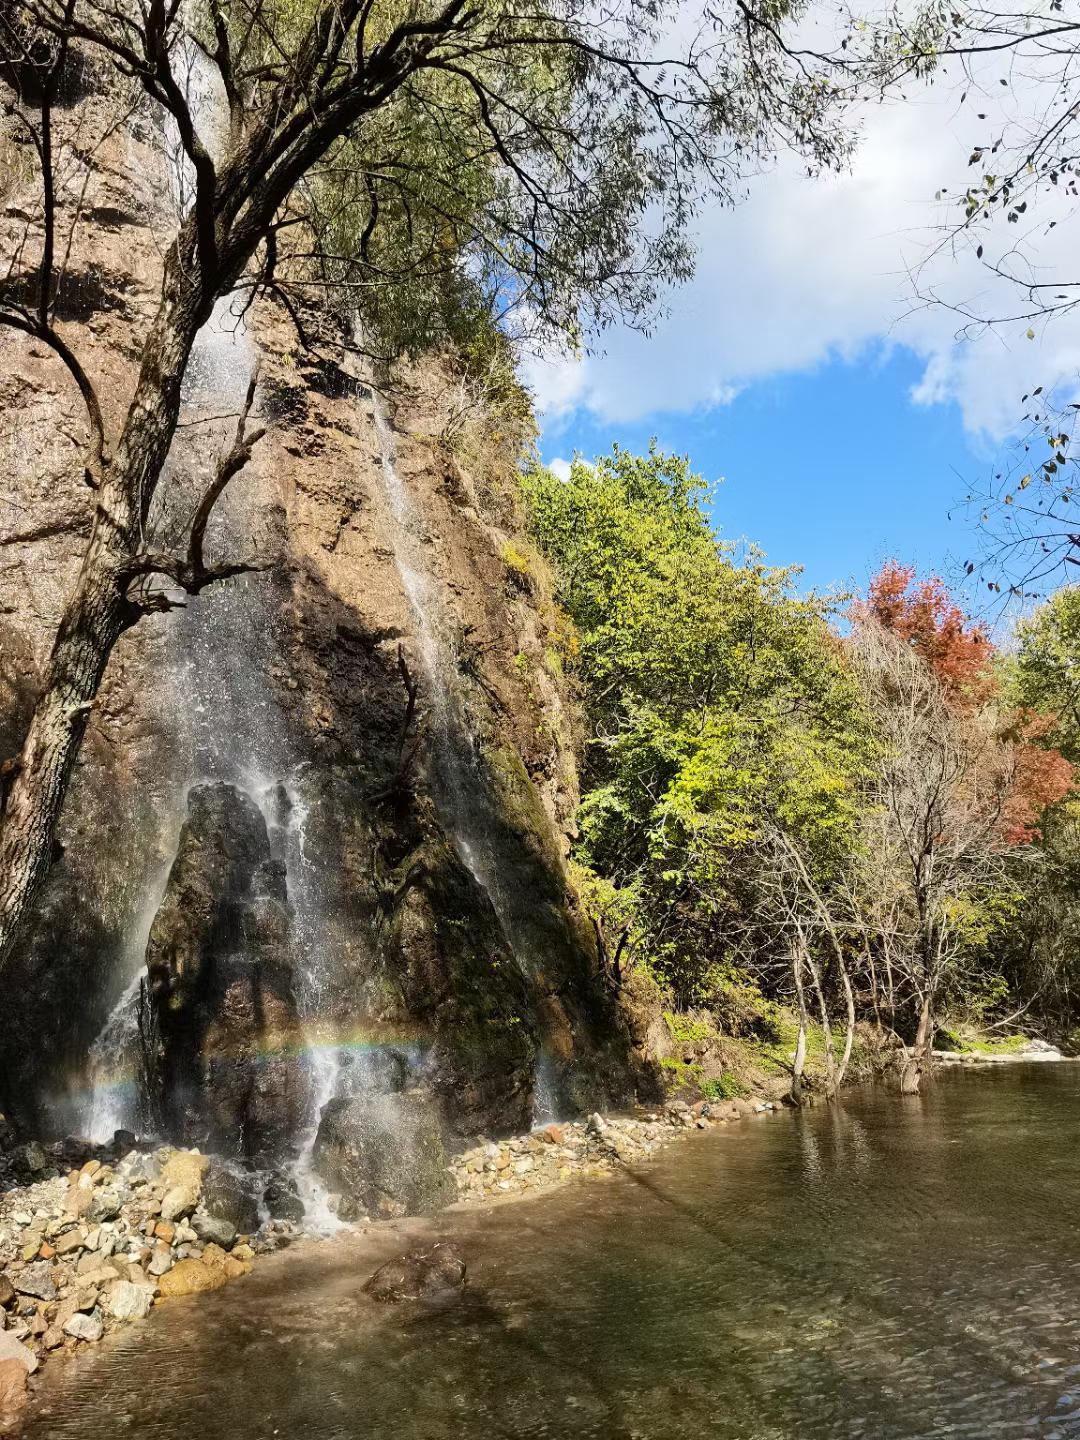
x=299, y=1043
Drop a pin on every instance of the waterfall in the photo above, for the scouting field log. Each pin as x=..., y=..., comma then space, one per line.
x=453, y=741
x=221, y=650
x=322, y=1054
x=545, y=1105
x=114, y=1099
x=111, y=1098
x=228, y=650
x=460, y=784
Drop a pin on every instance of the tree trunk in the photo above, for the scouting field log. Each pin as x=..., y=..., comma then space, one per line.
x=799, y=1067
x=920, y=1060
x=849, y=1028
x=92, y=622
x=831, y=1081
x=98, y=610
x=875, y=998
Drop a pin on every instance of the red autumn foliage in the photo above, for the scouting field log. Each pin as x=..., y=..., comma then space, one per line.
x=1030, y=775
x=1041, y=777
x=925, y=614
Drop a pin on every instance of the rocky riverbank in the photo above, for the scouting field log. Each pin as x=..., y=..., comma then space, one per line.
x=88, y=1247
x=1005, y=1053
x=557, y=1153
x=92, y=1238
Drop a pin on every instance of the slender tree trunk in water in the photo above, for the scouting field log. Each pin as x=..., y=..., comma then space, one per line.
x=831, y=1081
x=875, y=998
x=919, y=1062
x=799, y=1067
x=890, y=999
x=849, y=1029
x=99, y=609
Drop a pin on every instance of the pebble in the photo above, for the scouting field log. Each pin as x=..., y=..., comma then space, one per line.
x=85, y=1249
x=85, y=1327
x=595, y=1147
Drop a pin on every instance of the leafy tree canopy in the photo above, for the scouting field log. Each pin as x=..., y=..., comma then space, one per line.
x=716, y=698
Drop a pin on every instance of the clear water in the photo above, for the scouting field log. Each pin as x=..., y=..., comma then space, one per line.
x=889, y=1268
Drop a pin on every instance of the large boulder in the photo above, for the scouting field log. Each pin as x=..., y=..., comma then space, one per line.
x=211, y=1229
x=384, y=1155
x=36, y=1281
x=433, y=1274
x=12, y=1388
x=185, y=1167
x=221, y=1012
x=282, y=1199
x=127, y=1301
x=11, y=1348
x=190, y=1277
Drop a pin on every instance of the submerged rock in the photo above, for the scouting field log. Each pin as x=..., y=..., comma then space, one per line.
x=421, y=1275
x=385, y=1154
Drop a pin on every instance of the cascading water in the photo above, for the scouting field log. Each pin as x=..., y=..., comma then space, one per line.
x=454, y=746
x=545, y=1104
x=221, y=650
x=220, y=366
x=114, y=1099
x=322, y=1054
x=111, y=1097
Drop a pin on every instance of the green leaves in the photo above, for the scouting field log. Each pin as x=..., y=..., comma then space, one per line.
x=717, y=701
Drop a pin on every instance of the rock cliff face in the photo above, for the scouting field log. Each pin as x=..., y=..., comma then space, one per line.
x=323, y=810
x=219, y=1021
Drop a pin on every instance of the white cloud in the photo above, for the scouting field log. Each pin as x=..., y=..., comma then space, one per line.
x=806, y=270
x=560, y=468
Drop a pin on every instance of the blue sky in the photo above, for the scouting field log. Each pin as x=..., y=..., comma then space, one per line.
x=834, y=469
x=847, y=417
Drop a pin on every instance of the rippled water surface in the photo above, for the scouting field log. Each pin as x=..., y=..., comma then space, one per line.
x=887, y=1268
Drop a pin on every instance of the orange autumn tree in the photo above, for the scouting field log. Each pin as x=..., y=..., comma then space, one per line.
x=924, y=614
x=960, y=788
x=1028, y=776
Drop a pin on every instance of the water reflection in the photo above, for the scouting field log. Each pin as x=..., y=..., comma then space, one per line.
x=884, y=1269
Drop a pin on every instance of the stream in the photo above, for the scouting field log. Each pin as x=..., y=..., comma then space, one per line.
x=888, y=1267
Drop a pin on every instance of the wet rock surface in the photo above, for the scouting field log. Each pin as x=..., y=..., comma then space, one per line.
x=431, y=1274
x=384, y=1155
x=435, y=820
x=222, y=1009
